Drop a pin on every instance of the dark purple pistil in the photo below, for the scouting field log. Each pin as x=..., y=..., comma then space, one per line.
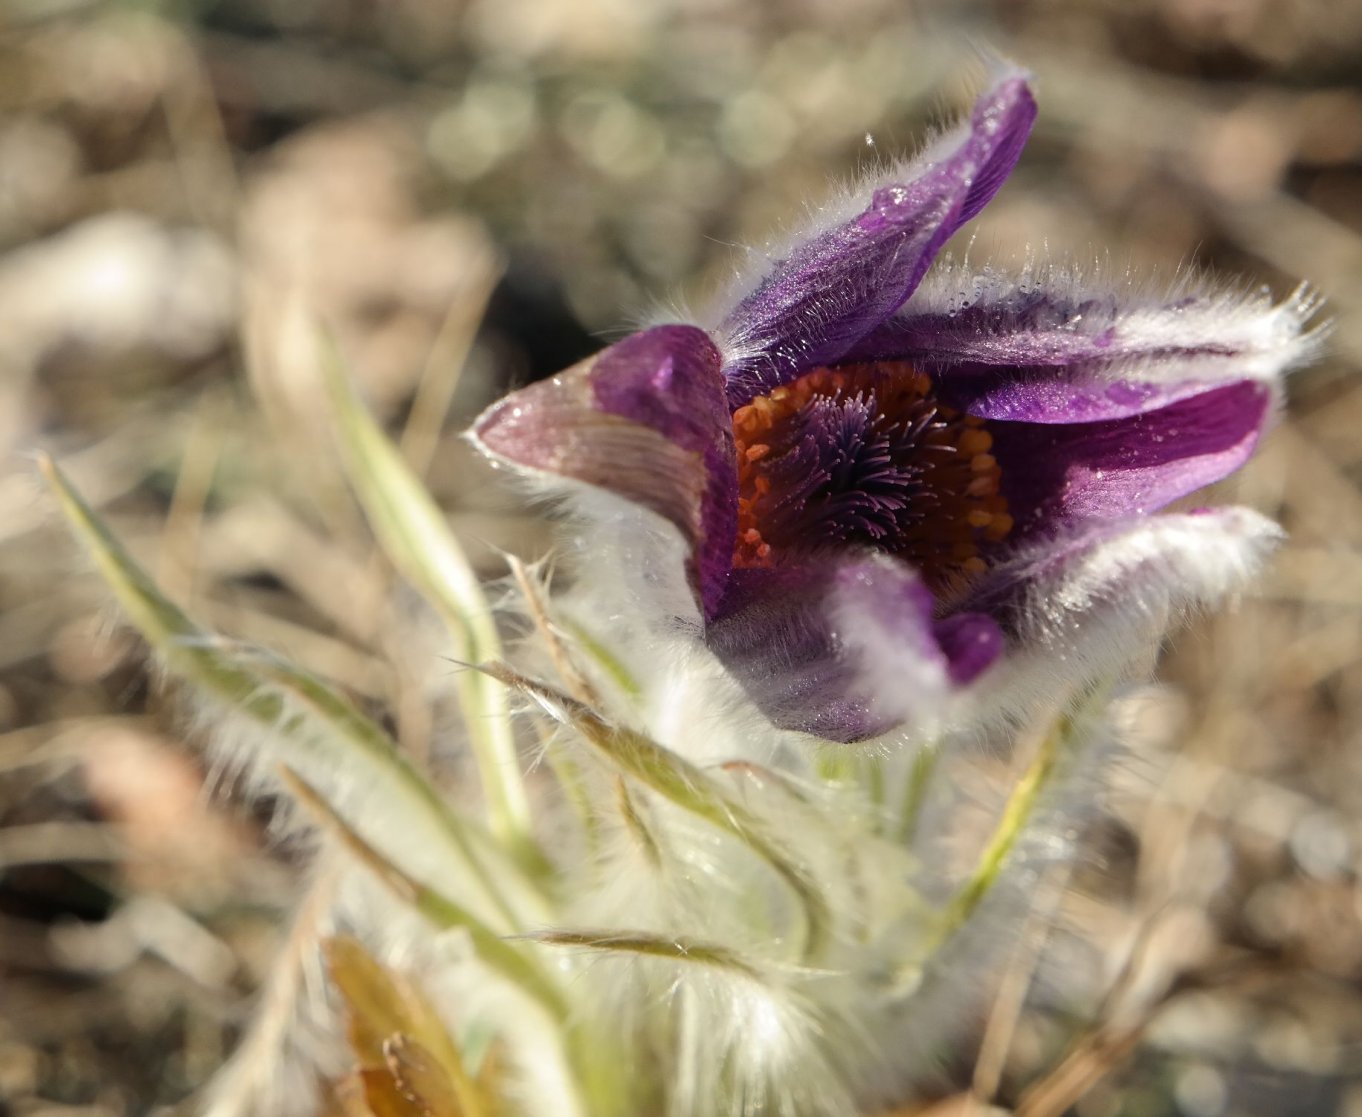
x=866, y=456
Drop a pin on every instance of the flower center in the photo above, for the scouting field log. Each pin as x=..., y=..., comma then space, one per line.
x=866, y=455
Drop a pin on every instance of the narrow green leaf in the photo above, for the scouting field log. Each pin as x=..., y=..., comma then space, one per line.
x=675, y=948
x=576, y=791
x=605, y=659
x=1017, y=815
x=635, y=824
x=1011, y=825
x=186, y=647
x=915, y=794
x=413, y=533
x=307, y=719
x=487, y=861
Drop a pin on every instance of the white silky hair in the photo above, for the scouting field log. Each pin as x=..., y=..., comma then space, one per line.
x=1189, y=328
x=709, y=1030
x=858, y=1033
x=774, y=1032
x=784, y=1039
x=629, y=586
x=372, y=800
x=533, y=1075
x=292, y=1040
x=1103, y=614
x=268, y=1078
x=903, y=674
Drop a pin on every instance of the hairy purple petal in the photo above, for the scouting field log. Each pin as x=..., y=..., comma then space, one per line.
x=1122, y=468
x=836, y=286
x=1046, y=347
x=845, y=649
x=644, y=419
x=1094, y=603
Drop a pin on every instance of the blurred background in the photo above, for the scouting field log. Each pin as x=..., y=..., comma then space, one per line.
x=473, y=193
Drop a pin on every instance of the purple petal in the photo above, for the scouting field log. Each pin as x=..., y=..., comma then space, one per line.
x=845, y=650
x=1047, y=348
x=1091, y=606
x=1056, y=474
x=842, y=282
x=970, y=642
x=644, y=419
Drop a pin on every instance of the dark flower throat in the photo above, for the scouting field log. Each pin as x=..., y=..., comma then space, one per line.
x=865, y=455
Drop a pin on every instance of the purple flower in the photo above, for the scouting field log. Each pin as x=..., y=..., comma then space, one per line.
x=889, y=480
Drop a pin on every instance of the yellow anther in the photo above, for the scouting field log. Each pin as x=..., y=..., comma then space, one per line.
x=998, y=530
x=975, y=441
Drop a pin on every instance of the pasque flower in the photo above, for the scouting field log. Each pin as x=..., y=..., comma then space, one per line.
x=882, y=492
x=891, y=477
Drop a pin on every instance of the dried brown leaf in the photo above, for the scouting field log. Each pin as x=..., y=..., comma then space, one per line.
x=421, y=1079
x=394, y=1030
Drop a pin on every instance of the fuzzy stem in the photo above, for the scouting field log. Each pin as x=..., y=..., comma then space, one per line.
x=919, y=779
x=836, y=766
x=872, y=779
x=1016, y=816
